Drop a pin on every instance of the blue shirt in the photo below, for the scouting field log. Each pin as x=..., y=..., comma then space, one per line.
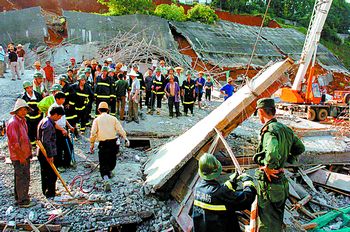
x=199, y=88
x=228, y=89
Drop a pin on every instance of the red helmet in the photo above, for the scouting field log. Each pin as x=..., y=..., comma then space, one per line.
x=72, y=58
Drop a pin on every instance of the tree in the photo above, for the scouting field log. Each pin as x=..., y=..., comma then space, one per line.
x=202, y=13
x=171, y=12
x=123, y=7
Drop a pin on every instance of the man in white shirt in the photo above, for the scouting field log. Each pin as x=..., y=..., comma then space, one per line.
x=134, y=97
x=63, y=143
x=104, y=130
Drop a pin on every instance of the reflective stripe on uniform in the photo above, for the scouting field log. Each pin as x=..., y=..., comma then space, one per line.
x=113, y=95
x=81, y=108
x=33, y=143
x=209, y=206
x=189, y=87
x=187, y=103
x=34, y=117
x=103, y=96
x=248, y=183
x=82, y=129
x=82, y=94
x=71, y=103
x=67, y=93
x=158, y=82
x=229, y=185
x=157, y=92
x=102, y=83
x=71, y=117
x=32, y=103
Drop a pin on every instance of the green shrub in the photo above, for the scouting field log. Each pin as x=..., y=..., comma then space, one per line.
x=171, y=12
x=124, y=7
x=202, y=13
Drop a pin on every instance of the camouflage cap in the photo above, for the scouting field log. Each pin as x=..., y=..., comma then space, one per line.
x=81, y=77
x=104, y=68
x=63, y=77
x=265, y=103
x=87, y=70
x=158, y=69
x=27, y=84
x=188, y=72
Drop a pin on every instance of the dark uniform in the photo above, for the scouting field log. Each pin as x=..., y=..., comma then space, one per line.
x=33, y=117
x=189, y=98
x=69, y=104
x=215, y=205
x=113, y=102
x=104, y=90
x=158, y=94
x=82, y=99
x=278, y=145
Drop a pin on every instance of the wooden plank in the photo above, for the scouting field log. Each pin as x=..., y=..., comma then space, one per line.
x=331, y=179
x=226, y=117
x=27, y=227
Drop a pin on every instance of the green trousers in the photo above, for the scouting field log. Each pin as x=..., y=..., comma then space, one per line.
x=271, y=200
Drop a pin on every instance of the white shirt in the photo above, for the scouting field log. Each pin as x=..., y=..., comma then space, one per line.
x=62, y=122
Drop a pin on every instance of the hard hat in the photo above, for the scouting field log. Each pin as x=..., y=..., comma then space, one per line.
x=209, y=167
x=72, y=58
x=38, y=75
x=81, y=77
x=104, y=68
x=63, y=77
x=81, y=71
x=111, y=70
x=103, y=105
x=188, y=72
x=37, y=63
x=157, y=69
x=87, y=70
x=56, y=87
x=27, y=84
x=109, y=59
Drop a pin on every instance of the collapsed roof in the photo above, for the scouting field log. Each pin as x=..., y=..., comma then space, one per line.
x=227, y=44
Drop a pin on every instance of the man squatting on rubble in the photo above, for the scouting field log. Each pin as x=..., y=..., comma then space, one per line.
x=215, y=204
x=20, y=152
x=278, y=145
x=104, y=129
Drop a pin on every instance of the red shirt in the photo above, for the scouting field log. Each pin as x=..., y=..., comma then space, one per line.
x=49, y=72
x=17, y=138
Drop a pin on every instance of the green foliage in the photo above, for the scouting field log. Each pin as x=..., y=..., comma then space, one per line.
x=171, y=12
x=341, y=51
x=202, y=13
x=123, y=7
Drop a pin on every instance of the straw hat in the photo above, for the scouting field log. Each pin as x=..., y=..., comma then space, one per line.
x=162, y=62
x=20, y=103
x=229, y=79
x=37, y=63
x=19, y=45
x=93, y=62
x=109, y=59
x=133, y=73
x=103, y=105
x=201, y=72
x=179, y=68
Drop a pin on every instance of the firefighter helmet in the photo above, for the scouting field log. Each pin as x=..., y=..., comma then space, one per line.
x=209, y=167
x=27, y=84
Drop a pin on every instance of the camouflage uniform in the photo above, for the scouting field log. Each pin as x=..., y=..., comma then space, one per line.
x=278, y=145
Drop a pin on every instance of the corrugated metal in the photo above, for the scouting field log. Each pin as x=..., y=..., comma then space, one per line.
x=229, y=44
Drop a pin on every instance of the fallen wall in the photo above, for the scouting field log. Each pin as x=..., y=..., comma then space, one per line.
x=24, y=26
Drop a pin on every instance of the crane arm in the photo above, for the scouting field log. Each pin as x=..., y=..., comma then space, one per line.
x=318, y=18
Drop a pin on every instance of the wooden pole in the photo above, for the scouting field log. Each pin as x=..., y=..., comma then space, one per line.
x=42, y=148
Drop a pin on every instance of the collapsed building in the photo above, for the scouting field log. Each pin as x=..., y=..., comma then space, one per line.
x=201, y=47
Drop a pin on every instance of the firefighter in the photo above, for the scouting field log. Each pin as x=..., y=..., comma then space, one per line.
x=103, y=88
x=135, y=67
x=113, y=78
x=157, y=90
x=214, y=203
x=38, y=84
x=83, y=95
x=69, y=104
x=33, y=117
x=278, y=145
x=188, y=93
x=90, y=82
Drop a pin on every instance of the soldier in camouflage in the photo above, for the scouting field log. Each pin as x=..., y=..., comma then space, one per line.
x=278, y=145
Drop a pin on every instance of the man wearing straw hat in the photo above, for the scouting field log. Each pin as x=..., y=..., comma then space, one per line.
x=134, y=97
x=20, y=152
x=228, y=89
